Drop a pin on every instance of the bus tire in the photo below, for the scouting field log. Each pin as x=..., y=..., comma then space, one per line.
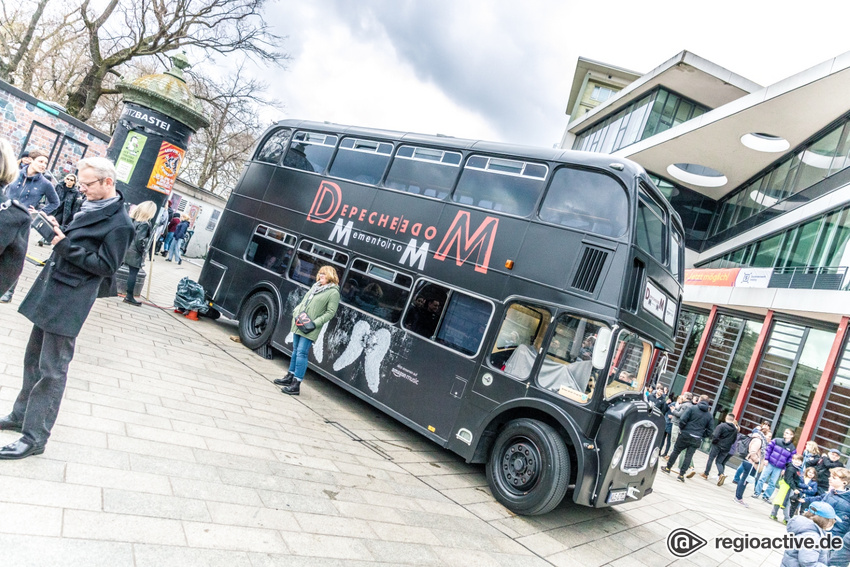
x=257, y=320
x=529, y=467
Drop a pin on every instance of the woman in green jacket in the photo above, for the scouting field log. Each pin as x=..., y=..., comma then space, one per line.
x=320, y=304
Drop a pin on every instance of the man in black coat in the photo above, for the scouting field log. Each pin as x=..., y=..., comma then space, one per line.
x=695, y=424
x=14, y=232
x=724, y=437
x=89, y=251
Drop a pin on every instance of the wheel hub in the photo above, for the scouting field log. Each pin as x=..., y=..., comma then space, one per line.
x=520, y=464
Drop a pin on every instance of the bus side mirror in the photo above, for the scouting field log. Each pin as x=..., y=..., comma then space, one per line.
x=600, y=348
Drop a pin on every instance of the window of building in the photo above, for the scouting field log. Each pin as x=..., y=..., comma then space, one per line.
x=826, y=155
x=449, y=317
x=833, y=429
x=586, y=200
x=504, y=185
x=310, y=151
x=520, y=339
x=311, y=257
x=376, y=289
x=271, y=249
x=273, y=147
x=567, y=368
x=651, y=226
x=424, y=171
x=361, y=160
x=601, y=94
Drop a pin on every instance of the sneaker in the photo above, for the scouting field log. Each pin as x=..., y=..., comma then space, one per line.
x=691, y=474
x=721, y=480
x=680, y=478
x=741, y=502
x=665, y=470
x=703, y=476
x=772, y=517
x=6, y=298
x=784, y=522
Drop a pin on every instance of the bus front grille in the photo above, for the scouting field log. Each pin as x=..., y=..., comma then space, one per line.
x=639, y=446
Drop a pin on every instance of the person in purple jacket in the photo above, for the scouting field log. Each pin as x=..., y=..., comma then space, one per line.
x=778, y=455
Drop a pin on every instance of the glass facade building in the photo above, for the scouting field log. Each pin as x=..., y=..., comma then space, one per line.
x=651, y=114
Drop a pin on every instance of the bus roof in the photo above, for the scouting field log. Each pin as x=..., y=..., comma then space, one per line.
x=532, y=152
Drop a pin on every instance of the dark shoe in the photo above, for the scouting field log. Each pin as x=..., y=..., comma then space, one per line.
x=756, y=496
x=665, y=470
x=20, y=449
x=167, y=260
x=179, y=262
x=286, y=380
x=132, y=301
x=9, y=424
x=680, y=478
x=293, y=389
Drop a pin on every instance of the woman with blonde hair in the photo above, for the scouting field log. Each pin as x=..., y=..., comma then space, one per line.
x=135, y=256
x=316, y=308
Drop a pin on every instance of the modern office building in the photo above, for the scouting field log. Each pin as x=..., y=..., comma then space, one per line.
x=761, y=179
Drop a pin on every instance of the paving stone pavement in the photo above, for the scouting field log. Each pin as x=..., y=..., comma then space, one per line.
x=172, y=447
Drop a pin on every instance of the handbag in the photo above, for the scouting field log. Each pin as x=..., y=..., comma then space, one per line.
x=303, y=322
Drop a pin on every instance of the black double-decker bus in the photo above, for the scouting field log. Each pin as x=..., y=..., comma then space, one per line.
x=509, y=303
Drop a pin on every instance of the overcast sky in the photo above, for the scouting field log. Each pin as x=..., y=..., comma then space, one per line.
x=501, y=70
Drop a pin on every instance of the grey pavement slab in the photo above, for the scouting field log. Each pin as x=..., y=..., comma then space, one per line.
x=172, y=447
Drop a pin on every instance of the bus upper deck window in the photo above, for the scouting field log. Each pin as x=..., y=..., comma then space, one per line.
x=651, y=226
x=310, y=151
x=424, y=171
x=272, y=149
x=586, y=200
x=504, y=185
x=361, y=160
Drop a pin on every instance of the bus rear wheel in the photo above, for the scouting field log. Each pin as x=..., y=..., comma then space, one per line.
x=529, y=467
x=257, y=320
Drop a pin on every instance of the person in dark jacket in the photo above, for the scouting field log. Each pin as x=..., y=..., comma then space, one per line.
x=832, y=460
x=778, y=455
x=135, y=256
x=788, y=486
x=807, y=488
x=88, y=252
x=695, y=424
x=14, y=224
x=169, y=232
x=28, y=188
x=721, y=442
x=64, y=190
x=175, y=249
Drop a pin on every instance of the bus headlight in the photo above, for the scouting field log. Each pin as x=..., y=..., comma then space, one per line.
x=618, y=454
x=653, y=457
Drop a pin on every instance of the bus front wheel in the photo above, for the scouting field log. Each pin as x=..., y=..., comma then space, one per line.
x=529, y=467
x=258, y=319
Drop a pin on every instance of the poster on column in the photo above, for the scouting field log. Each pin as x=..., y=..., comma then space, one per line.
x=129, y=156
x=166, y=168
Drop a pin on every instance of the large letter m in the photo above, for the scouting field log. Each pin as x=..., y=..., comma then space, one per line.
x=481, y=240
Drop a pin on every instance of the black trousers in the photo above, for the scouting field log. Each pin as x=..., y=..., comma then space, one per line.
x=46, y=361
x=132, y=274
x=713, y=454
x=687, y=444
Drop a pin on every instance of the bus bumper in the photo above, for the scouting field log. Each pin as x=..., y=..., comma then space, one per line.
x=628, y=445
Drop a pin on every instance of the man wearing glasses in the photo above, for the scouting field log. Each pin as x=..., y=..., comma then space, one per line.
x=88, y=252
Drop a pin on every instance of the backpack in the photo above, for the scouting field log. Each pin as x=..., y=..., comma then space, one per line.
x=742, y=445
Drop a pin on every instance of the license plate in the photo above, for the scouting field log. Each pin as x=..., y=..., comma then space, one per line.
x=616, y=496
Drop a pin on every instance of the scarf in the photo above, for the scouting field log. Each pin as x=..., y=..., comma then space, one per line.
x=318, y=288
x=93, y=206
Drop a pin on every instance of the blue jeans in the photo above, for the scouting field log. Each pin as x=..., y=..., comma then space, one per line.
x=169, y=236
x=745, y=469
x=770, y=475
x=175, y=250
x=298, y=362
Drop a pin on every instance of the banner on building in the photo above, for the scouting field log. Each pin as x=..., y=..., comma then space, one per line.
x=718, y=277
x=753, y=277
x=166, y=168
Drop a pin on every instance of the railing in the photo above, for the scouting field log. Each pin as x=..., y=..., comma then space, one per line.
x=808, y=278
